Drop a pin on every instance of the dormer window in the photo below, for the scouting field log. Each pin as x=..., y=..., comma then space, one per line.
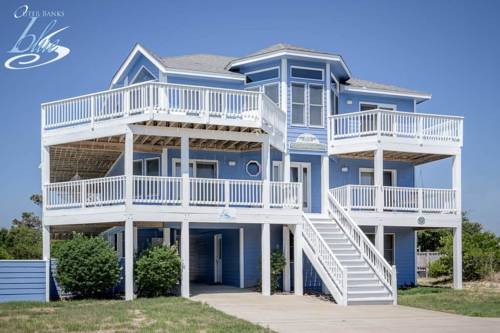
x=143, y=75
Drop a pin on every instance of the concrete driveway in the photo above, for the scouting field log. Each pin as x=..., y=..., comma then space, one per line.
x=289, y=313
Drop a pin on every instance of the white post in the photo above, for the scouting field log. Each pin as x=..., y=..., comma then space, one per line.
x=265, y=161
x=185, y=258
x=129, y=166
x=129, y=259
x=119, y=244
x=457, y=257
x=46, y=257
x=266, y=259
x=325, y=183
x=166, y=237
x=185, y=170
x=164, y=162
x=242, y=258
x=378, y=178
x=45, y=175
x=297, y=263
x=286, y=254
x=284, y=90
x=286, y=167
x=457, y=183
x=379, y=239
x=135, y=239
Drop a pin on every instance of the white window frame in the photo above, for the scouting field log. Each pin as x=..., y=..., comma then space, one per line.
x=384, y=105
x=305, y=165
x=393, y=244
x=393, y=172
x=258, y=164
x=263, y=70
x=308, y=68
x=144, y=167
x=280, y=174
x=194, y=161
x=137, y=73
x=304, y=124
x=308, y=105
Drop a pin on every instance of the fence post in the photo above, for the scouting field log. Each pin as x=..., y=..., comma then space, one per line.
x=126, y=103
x=348, y=198
x=420, y=200
x=92, y=111
x=83, y=189
x=226, y=193
x=394, y=284
x=206, y=105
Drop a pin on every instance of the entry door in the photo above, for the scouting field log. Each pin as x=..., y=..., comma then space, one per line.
x=301, y=172
x=218, y=258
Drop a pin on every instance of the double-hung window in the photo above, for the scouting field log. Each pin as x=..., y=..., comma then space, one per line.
x=307, y=105
x=298, y=104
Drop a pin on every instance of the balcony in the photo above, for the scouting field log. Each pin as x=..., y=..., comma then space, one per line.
x=167, y=103
x=389, y=202
x=397, y=131
x=170, y=194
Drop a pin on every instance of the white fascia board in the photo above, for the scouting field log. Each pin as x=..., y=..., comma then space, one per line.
x=137, y=49
x=292, y=54
x=423, y=97
x=203, y=74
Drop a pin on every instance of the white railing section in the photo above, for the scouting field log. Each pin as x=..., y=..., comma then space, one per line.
x=286, y=195
x=156, y=97
x=437, y=128
x=325, y=256
x=157, y=190
x=402, y=199
x=168, y=191
x=373, y=257
x=86, y=193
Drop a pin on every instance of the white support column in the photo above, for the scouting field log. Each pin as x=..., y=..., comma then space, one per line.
x=286, y=167
x=328, y=98
x=265, y=165
x=46, y=257
x=136, y=240
x=378, y=178
x=129, y=259
x=286, y=254
x=284, y=88
x=164, y=162
x=325, y=183
x=457, y=257
x=242, y=258
x=379, y=238
x=456, y=183
x=129, y=166
x=185, y=170
x=185, y=258
x=166, y=237
x=297, y=261
x=266, y=259
x=119, y=244
x=45, y=174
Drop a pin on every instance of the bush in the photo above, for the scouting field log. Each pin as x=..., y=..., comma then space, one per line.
x=278, y=263
x=87, y=267
x=4, y=254
x=157, y=271
x=24, y=243
x=480, y=253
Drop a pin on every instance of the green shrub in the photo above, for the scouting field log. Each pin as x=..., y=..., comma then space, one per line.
x=24, y=243
x=87, y=266
x=439, y=268
x=157, y=271
x=278, y=263
x=4, y=254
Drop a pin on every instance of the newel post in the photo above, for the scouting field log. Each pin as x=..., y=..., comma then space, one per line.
x=394, y=285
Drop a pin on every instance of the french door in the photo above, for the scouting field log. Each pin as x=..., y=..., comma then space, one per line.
x=301, y=172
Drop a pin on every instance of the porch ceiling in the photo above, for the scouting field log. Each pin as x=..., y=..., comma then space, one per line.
x=92, y=228
x=409, y=157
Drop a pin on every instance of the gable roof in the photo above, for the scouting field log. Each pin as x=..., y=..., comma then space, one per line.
x=354, y=84
x=210, y=63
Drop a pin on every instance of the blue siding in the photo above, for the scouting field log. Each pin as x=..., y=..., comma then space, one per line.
x=252, y=251
x=207, y=82
x=311, y=280
x=405, y=171
x=402, y=104
x=22, y=280
x=405, y=254
x=134, y=66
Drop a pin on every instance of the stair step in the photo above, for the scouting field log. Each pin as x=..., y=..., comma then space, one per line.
x=366, y=287
x=327, y=237
x=367, y=294
x=361, y=275
x=361, y=269
x=340, y=241
x=354, y=263
x=348, y=256
x=347, y=251
x=360, y=281
x=370, y=300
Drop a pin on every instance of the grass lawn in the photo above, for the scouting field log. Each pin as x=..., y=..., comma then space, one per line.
x=172, y=314
x=470, y=302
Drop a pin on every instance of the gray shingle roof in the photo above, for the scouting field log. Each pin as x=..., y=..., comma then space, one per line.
x=364, y=84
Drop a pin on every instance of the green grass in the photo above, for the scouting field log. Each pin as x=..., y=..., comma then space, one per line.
x=172, y=314
x=474, y=302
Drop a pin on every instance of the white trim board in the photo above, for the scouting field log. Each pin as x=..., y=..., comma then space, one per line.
x=132, y=81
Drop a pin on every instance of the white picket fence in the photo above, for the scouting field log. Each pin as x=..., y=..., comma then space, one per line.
x=109, y=191
x=423, y=261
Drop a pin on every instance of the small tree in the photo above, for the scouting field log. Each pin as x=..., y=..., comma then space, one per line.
x=24, y=243
x=87, y=266
x=157, y=271
x=278, y=263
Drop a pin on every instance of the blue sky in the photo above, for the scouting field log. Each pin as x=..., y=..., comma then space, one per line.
x=447, y=48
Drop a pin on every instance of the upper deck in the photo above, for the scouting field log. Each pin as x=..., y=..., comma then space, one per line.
x=198, y=106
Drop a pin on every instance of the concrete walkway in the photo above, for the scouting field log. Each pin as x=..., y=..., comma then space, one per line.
x=288, y=313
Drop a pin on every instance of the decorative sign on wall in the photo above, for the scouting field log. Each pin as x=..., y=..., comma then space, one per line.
x=307, y=141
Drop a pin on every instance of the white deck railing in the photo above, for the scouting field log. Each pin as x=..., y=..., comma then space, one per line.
x=155, y=97
x=324, y=254
x=398, y=199
x=168, y=191
x=424, y=127
x=373, y=257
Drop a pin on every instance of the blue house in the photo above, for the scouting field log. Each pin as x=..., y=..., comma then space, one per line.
x=233, y=157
